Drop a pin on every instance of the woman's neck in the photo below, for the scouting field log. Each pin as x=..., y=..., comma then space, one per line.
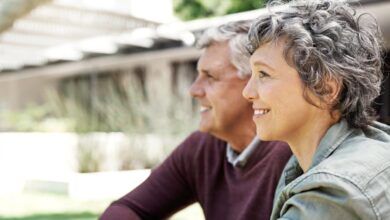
x=305, y=142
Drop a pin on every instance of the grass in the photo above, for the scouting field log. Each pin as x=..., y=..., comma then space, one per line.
x=45, y=206
x=64, y=216
x=48, y=206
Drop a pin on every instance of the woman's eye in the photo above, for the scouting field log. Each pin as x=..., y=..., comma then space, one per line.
x=263, y=74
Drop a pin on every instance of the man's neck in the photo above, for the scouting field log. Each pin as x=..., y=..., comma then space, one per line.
x=239, y=142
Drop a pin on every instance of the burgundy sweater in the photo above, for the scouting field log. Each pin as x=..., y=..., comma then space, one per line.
x=198, y=171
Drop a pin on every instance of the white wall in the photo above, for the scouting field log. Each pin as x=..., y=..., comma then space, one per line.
x=51, y=157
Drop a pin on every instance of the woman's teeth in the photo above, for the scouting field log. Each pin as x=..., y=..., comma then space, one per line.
x=261, y=111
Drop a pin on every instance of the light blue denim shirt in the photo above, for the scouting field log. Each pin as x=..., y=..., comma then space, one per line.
x=348, y=179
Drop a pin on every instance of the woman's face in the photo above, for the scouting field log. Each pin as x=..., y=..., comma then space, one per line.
x=276, y=92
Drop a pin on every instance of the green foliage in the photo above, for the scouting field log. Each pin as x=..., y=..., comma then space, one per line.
x=113, y=102
x=192, y=9
x=239, y=6
x=11, y=10
x=134, y=155
x=89, y=155
x=108, y=106
x=119, y=102
x=119, y=105
x=188, y=10
x=32, y=118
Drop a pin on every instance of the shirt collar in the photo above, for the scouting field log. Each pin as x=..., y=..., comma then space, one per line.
x=240, y=159
x=331, y=140
x=335, y=135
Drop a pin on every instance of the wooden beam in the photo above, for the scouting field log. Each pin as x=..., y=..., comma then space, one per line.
x=104, y=64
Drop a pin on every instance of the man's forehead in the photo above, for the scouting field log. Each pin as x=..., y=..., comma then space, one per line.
x=214, y=56
x=212, y=63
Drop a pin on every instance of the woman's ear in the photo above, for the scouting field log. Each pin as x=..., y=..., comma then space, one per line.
x=332, y=92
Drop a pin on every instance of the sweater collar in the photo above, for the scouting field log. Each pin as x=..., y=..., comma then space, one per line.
x=240, y=159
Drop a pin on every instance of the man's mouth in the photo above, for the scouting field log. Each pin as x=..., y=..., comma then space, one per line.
x=204, y=109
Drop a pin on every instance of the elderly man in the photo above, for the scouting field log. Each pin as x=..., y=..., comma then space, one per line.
x=223, y=166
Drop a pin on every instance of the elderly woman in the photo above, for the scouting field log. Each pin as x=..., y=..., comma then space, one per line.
x=316, y=70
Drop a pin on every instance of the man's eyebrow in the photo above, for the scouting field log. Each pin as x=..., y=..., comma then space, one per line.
x=202, y=70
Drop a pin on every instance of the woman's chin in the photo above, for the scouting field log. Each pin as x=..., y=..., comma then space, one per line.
x=264, y=136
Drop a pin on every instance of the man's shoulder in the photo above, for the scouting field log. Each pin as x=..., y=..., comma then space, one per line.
x=201, y=142
x=202, y=138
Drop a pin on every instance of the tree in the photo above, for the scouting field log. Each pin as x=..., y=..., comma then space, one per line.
x=10, y=11
x=192, y=9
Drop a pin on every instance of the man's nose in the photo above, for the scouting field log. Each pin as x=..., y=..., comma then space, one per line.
x=196, y=89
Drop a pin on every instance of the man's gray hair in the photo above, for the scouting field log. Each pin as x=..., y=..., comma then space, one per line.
x=327, y=40
x=236, y=34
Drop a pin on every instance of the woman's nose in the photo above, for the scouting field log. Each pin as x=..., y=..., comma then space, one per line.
x=250, y=91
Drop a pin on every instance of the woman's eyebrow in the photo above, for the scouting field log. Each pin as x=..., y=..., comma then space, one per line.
x=261, y=63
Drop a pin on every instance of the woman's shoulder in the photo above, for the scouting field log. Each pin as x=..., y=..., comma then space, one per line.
x=359, y=160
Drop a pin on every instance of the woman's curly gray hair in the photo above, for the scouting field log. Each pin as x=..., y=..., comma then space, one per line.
x=236, y=34
x=327, y=40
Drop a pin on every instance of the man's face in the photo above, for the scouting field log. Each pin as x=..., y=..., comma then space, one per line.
x=218, y=90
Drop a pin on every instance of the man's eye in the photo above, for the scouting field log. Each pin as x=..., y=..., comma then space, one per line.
x=209, y=76
x=263, y=74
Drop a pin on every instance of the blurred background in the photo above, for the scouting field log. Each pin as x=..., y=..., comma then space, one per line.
x=94, y=93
